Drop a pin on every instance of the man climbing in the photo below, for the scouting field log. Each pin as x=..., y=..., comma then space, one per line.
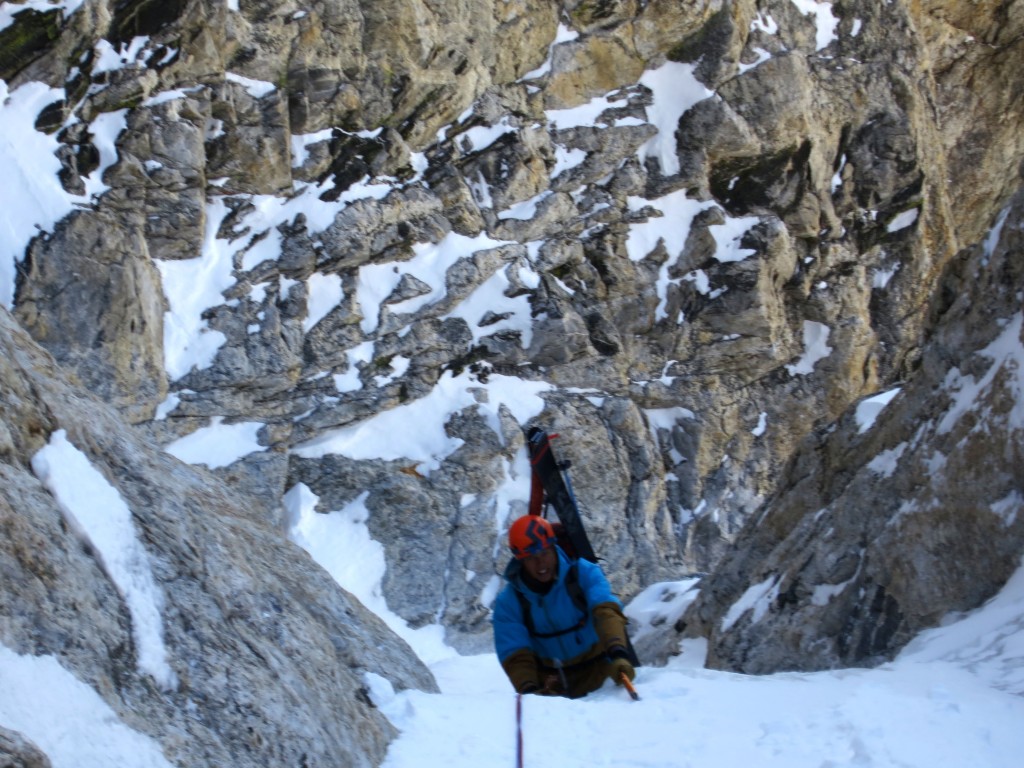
x=558, y=629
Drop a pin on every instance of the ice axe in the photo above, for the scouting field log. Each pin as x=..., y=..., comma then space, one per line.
x=629, y=686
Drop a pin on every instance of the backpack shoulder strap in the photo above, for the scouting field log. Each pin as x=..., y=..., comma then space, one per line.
x=572, y=584
x=524, y=606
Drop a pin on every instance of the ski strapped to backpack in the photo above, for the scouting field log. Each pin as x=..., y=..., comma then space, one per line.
x=550, y=484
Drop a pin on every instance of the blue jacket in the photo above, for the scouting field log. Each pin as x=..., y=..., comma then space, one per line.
x=551, y=613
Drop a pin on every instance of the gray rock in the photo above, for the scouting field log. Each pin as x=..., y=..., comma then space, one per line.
x=18, y=752
x=875, y=534
x=260, y=639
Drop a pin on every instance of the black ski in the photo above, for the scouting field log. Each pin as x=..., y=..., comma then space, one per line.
x=551, y=484
x=558, y=491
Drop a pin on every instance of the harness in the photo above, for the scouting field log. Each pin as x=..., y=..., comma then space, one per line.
x=572, y=584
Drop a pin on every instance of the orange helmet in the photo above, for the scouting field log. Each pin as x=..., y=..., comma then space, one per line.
x=530, y=535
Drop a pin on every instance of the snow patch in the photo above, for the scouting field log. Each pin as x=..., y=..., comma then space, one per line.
x=480, y=137
x=420, y=424
x=95, y=510
x=968, y=394
x=902, y=220
x=825, y=21
x=869, y=408
x=816, y=348
x=66, y=719
x=588, y=114
x=255, y=88
x=674, y=89
x=109, y=59
x=324, y=294
x=32, y=198
x=341, y=543
x=992, y=240
x=757, y=599
x=989, y=641
x=566, y=159
x=762, y=425
x=727, y=238
x=219, y=444
x=1008, y=507
x=660, y=605
x=886, y=462
x=429, y=264
x=302, y=142
x=9, y=10
x=507, y=313
x=563, y=35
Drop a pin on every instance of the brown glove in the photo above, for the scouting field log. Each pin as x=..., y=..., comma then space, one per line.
x=610, y=624
x=552, y=687
x=521, y=668
x=621, y=666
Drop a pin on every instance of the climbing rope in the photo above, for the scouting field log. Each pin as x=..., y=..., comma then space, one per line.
x=519, y=730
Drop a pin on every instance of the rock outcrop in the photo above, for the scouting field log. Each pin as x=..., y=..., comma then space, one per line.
x=17, y=752
x=884, y=523
x=268, y=656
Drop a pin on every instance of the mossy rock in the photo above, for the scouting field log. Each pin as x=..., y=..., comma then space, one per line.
x=563, y=271
x=51, y=117
x=30, y=36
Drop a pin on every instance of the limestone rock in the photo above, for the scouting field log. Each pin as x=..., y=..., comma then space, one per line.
x=260, y=639
x=878, y=531
x=18, y=752
x=93, y=297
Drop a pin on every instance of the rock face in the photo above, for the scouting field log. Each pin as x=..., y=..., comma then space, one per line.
x=881, y=528
x=712, y=229
x=17, y=752
x=263, y=642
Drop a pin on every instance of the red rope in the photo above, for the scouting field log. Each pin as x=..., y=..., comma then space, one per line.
x=519, y=730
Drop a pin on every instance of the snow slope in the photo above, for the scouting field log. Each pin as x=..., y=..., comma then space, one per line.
x=955, y=697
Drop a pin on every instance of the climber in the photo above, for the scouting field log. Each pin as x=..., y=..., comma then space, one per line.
x=558, y=629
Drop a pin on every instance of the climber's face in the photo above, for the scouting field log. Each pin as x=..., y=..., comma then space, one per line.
x=542, y=567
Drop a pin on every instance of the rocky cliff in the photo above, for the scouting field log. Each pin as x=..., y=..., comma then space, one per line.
x=886, y=521
x=268, y=656
x=693, y=238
